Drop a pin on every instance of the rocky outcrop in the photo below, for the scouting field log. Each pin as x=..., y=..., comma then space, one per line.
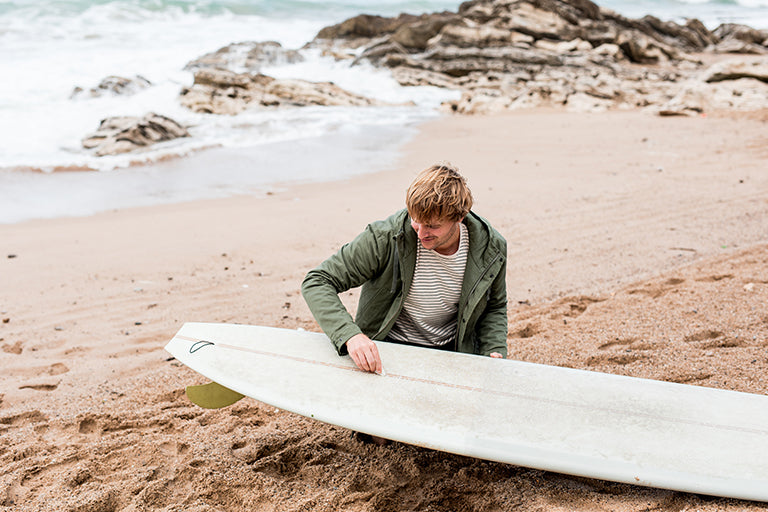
x=735, y=38
x=115, y=85
x=117, y=135
x=508, y=54
x=229, y=81
x=483, y=23
x=246, y=56
x=218, y=91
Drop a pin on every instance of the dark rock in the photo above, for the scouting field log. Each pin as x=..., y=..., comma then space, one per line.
x=416, y=35
x=365, y=26
x=124, y=134
x=115, y=85
x=741, y=33
x=692, y=36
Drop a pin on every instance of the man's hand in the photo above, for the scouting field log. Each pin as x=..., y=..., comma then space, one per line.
x=496, y=355
x=364, y=353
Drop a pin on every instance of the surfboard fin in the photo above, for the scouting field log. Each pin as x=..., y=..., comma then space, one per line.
x=212, y=395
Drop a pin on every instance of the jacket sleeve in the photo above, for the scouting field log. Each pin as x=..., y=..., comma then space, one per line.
x=354, y=264
x=493, y=325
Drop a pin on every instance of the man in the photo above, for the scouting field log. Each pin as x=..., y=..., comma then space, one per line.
x=432, y=275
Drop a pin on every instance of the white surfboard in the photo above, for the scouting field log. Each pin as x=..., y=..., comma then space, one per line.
x=616, y=428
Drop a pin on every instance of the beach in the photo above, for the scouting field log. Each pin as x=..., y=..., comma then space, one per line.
x=637, y=246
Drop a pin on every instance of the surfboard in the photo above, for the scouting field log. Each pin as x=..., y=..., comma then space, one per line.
x=577, y=422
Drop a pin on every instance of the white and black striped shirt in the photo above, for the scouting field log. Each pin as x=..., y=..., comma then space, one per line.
x=429, y=315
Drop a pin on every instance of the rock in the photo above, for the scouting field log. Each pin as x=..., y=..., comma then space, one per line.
x=696, y=96
x=573, y=54
x=382, y=50
x=218, y=91
x=576, y=45
x=735, y=69
x=365, y=26
x=736, y=38
x=246, y=57
x=609, y=50
x=478, y=36
x=642, y=49
x=538, y=23
x=454, y=61
x=302, y=93
x=416, y=35
x=117, y=135
x=691, y=36
x=115, y=85
x=741, y=33
x=410, y=77
x=731, y=45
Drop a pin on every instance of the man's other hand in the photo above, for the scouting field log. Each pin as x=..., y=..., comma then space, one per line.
x=364, y=353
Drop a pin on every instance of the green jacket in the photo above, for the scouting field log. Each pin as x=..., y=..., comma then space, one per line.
x=383, y=258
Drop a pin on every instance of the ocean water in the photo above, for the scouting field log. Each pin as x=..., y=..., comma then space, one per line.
x=50, y=47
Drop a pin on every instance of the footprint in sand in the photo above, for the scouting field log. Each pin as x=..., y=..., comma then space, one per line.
x=41, y=387
x=25, y=418
x=705, y=335
x=656, y=290
x=53, y=369
x=88, y=425
x=16, y=348
x=528, y=331
x=57, y=369
x=715, y=278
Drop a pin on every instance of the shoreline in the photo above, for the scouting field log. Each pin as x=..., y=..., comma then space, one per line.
x=616, y=224
x=213, y=173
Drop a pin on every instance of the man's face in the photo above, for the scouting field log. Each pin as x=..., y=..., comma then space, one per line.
x=440, y=235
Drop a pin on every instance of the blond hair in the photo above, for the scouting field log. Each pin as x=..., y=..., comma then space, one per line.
x=439, y=192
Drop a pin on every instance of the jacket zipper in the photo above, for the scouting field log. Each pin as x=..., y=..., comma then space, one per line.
x=396, y=268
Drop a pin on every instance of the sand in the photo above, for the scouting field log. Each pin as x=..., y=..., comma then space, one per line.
x=637, y=245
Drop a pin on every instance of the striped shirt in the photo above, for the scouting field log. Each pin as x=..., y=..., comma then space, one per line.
x=430, y=312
